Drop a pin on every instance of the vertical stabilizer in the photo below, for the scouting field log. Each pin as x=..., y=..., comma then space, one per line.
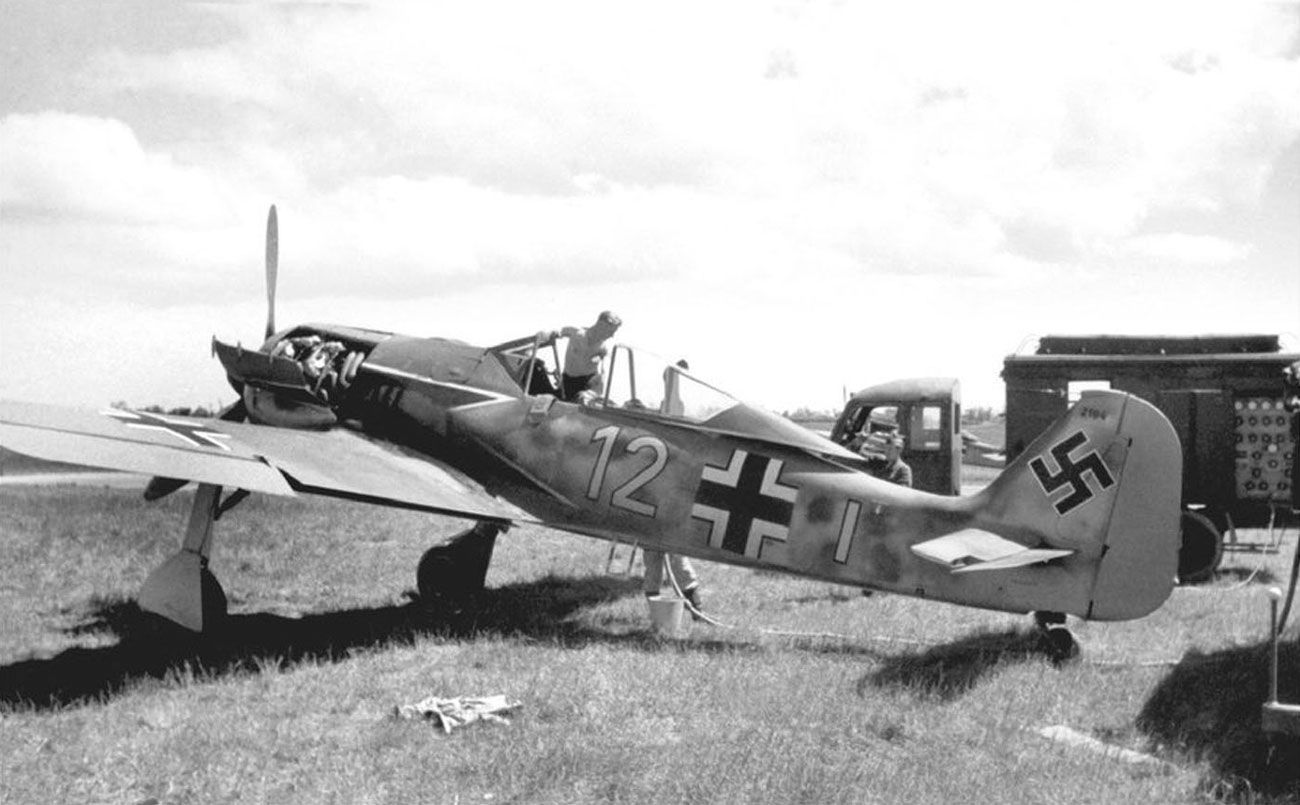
x=1103, y=482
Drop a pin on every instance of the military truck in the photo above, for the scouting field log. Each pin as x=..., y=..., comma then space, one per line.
x=1223, y=394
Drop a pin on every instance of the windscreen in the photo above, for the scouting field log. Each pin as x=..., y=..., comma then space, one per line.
x=641, y=380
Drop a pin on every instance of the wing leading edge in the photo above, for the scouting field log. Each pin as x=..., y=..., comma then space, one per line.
x=259, y=458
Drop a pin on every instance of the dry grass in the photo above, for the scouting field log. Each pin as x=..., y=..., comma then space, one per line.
x=879, y=699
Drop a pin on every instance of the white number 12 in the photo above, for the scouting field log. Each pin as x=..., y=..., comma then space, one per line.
x=622, y=496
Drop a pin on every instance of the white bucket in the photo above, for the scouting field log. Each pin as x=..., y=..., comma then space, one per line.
x=666, y=615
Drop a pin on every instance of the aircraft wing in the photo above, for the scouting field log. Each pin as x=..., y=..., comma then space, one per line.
x=975, y=549
x=259, y=458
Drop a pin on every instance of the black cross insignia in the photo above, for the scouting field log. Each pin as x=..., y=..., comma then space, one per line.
x=744, y=503
x=192, y=433
x=1071, y=472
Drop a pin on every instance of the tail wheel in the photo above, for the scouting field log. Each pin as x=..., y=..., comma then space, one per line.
x=1057, y=640
x=1201, y=549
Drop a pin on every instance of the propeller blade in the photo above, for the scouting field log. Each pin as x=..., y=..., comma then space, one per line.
x=272, y=266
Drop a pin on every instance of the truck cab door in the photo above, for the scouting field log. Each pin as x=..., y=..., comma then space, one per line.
x=933, y=431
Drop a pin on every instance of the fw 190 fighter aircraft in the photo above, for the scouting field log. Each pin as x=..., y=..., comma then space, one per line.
x=1084, y=523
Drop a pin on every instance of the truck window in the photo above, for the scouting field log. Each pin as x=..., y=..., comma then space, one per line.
x=927, y=427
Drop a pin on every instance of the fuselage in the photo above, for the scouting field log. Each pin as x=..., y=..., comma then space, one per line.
x=744, y=487
x=726, y=481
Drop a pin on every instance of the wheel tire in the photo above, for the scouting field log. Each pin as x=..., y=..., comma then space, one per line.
x=436, y=577
x=1060, y=645
x=214, y=601
x=456, y=570
x=1201, y=549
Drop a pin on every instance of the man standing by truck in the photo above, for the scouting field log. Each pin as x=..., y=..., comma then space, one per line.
x=884, y=454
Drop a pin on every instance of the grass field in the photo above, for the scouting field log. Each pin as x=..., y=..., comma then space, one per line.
x=858, y=699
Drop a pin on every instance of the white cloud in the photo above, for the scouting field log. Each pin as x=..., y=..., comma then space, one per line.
x=1186, y=249
x=803, y=172
x=1088, y=119
x=77, y=166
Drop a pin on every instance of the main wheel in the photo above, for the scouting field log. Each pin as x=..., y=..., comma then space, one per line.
x=437, y=575
x=214, y=601
x=457, y=569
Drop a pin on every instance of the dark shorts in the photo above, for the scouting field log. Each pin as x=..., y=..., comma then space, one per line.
x=570, y=385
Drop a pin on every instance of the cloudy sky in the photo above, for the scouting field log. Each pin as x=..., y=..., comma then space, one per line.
x=798, y=197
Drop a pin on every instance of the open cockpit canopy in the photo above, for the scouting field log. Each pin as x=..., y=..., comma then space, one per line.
x=640, y=382
x=639, y=379
x=631, y=378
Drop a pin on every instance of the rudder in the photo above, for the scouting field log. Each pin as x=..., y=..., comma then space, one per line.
x=1141, y=560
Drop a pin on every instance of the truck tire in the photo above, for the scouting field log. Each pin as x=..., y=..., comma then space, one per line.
x=1201, y=550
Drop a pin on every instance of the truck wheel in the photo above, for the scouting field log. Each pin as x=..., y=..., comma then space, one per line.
x=1201, y=550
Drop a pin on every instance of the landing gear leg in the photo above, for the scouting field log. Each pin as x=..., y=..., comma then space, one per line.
x=1057, y=640
x=182, y=589
x=456, y=570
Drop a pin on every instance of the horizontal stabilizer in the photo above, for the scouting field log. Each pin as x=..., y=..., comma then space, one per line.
x=975, y=549
x=1029, y=556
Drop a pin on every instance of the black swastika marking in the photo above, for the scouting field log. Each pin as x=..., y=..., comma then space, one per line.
x=1071, y=472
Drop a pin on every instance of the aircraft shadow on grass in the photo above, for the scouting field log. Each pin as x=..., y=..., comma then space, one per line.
x=149, y=647
x=948, y=671
x=1208, y=706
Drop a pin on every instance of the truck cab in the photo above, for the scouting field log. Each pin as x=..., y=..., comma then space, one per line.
x=926, y=412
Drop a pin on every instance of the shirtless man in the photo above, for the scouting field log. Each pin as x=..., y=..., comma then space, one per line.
x=583, y=355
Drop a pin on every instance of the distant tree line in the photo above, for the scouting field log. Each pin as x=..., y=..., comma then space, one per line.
x=969, y=416
x=977, y=414
x=804, y=414
x=199, y=411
